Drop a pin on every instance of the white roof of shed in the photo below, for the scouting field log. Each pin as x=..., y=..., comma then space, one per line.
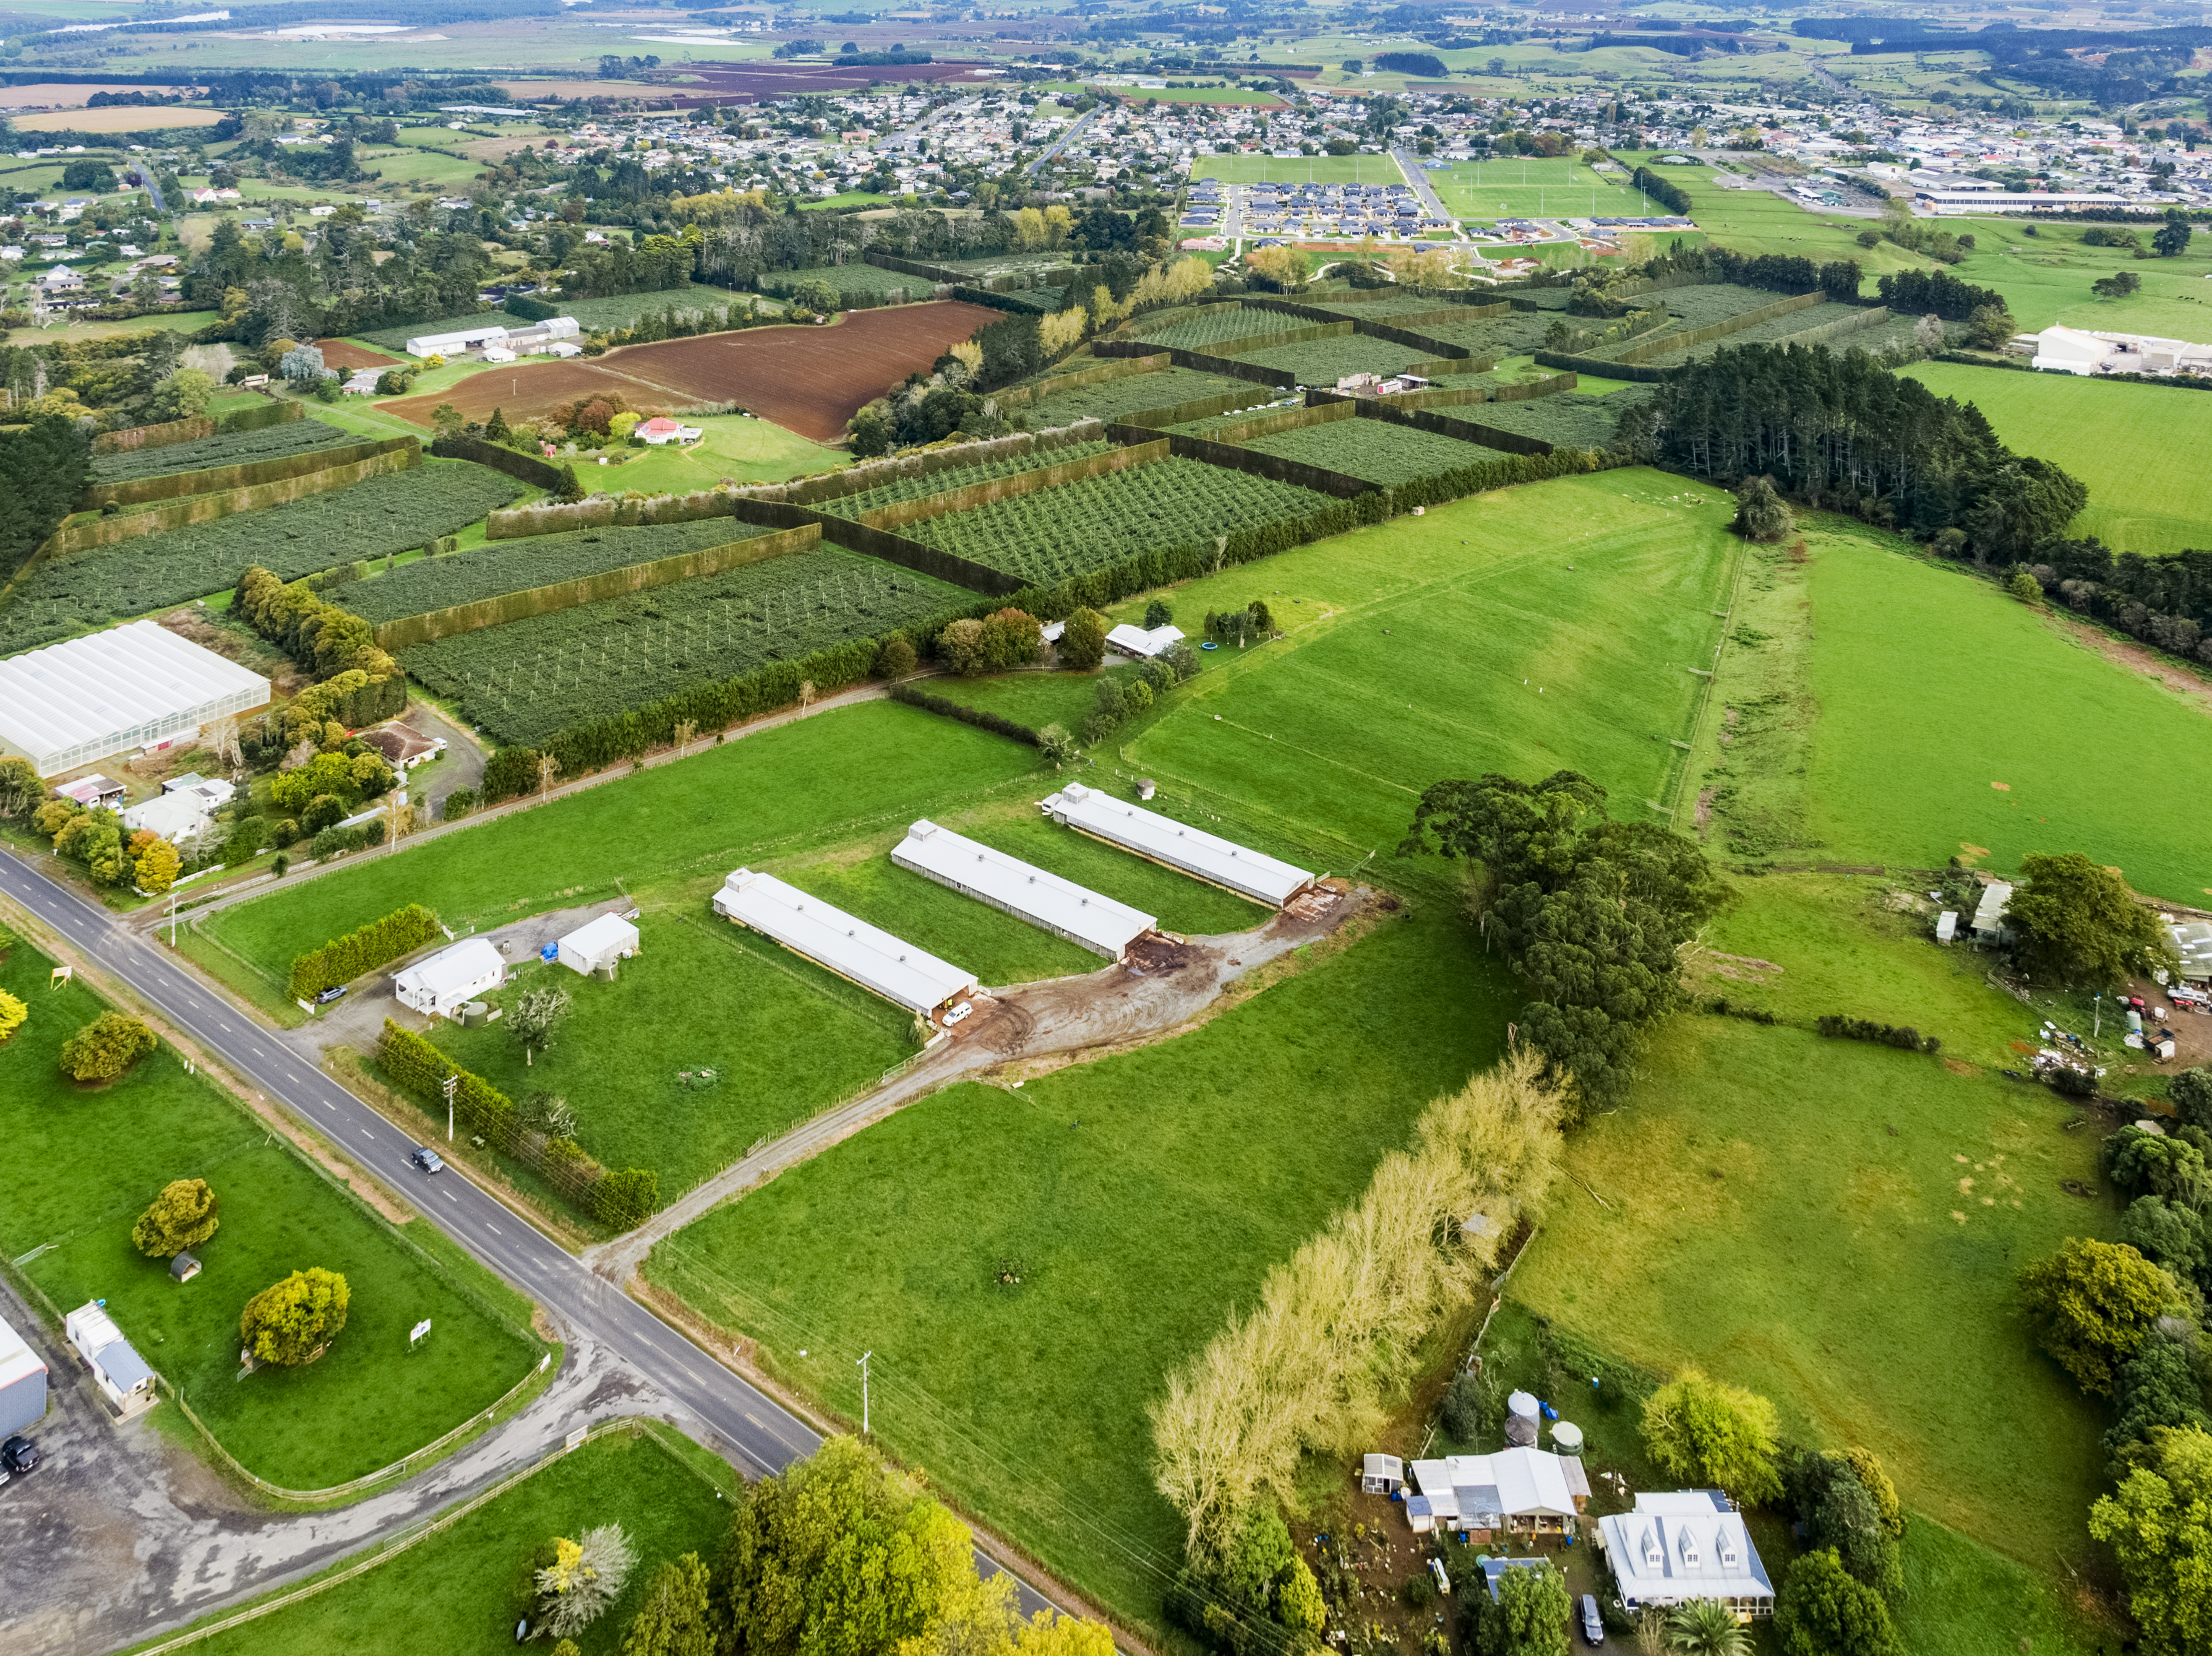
x=1528, y=1482
x=17, y=1360
x=450, y=968
x=1035, y=893
x=86, y=691
x=606, y=931
x=850, y=947
x=1193, y=849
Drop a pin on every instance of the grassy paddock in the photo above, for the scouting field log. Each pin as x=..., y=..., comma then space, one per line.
x=463, y=1590
x=2144, y=451
x=1137, y=1199
x=1816, y=1220
x=91, y=1160
x=1307, y=169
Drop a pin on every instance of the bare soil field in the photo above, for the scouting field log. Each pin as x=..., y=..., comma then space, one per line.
x=118, y=118
x=807, y=379
x=344, y=353
x=57, y=94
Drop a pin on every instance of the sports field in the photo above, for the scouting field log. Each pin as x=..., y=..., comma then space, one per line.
x=88, y=1161
x=461, y=1591
x=1305, y=169
x=1531, y=186
x=2146, y=460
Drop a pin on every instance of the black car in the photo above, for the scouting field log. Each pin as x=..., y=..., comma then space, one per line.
x=19, y=1454
x=1593, y=1623
x=428, y=1159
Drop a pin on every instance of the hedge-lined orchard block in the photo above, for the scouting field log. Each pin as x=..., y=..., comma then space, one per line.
x=381, y=942
x=178, y=485
x=396, y=454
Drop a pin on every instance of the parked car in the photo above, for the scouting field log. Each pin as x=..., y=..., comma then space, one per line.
x=959, y=1013
x=330, y=994
x=428, y=1159
x=1593, y=1623
x=19, y=1454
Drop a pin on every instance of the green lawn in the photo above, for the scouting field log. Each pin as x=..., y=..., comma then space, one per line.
x=1836, y=1226
x=2146, y=458
x=462, y=1590
x=89, y=1161
x=686, y=824
x=1521, y=631
x=1139, y=1198
x=789, y=1039
x=735, y=449
x=1307, y=169
x=1952, y=718
x=1035, y=700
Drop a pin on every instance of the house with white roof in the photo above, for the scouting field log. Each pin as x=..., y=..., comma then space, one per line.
x=440, y=986
x=1516, y=1491
x=122, y=1375
x=1136, y=642
x=1682, y=1545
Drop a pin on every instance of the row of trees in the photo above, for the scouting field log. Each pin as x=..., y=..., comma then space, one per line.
x=343, y=959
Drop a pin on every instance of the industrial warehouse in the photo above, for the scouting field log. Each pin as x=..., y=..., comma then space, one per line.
x=850, y=947
x=129, y=688
x=1192, y=851
x=1043, y=899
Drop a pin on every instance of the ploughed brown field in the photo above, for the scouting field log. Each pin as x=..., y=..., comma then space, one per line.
x=342, y=354
x=808, y=378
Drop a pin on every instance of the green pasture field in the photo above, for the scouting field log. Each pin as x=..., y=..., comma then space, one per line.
x=789, y=1038
x=1139, y=1198
x=1820, y=1254
x=1839, y=691
x=2147, y=461
x=1531, y=187
x=89, y=1161
x=1307, y=169
x=2045, y=278
x=409, y=164
x=78, y=332
x=1034, y=699
x=1761, y=221
x=1497, y=656
x=525, y=681
x=848, y=198
x=461, y=1591
x=675, y=828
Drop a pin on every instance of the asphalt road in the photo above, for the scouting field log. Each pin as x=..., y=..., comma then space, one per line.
x=765, y=1437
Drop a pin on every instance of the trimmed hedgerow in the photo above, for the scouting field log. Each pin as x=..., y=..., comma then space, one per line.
x=224, y=449
x=343, y=959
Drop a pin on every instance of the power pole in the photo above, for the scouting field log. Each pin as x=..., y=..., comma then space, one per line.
x=863, y=1366
x=453, y=1085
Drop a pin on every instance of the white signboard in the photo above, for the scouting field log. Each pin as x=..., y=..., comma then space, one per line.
x=418, y=1330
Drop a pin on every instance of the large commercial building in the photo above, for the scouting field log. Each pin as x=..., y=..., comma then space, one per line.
x=853, y=949
x=1193, y=850
x=1035, y=894
x=132, y=687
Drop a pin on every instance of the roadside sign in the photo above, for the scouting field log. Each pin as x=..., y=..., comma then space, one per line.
x=417, y=1332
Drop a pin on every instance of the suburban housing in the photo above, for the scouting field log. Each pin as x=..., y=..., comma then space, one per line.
x=1685, y=1544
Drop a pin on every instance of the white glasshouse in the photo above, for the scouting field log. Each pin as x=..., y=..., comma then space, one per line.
x=107, y=693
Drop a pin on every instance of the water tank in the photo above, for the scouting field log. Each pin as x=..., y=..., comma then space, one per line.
x=474, y=1014
x=1567, y=1438
x=1520, y=1431
x=1524, y=1403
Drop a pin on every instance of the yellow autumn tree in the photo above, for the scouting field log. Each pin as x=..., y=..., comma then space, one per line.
x=157, y=867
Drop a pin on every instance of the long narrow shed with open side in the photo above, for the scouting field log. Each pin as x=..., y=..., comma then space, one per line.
x=1041, y=897
x=850, y=947
x=1193, y=850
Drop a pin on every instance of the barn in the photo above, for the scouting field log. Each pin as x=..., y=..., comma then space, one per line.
x=1043, y=899
x=1192, y=851
x=853, y=949
x=139, y=686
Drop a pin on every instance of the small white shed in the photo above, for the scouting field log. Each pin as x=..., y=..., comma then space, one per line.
x=119, y=1372
x=598, y=943
x=451, y=977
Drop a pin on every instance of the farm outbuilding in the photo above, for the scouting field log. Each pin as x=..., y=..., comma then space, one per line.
x=1043, y=899
x=451, y=977
x=132, y=687
x=117, y=1370
x=1521, y=1491
x=22, y=1382
x=596, y=943
x=1192, y=851
x=1989, y=917
x=850, y=947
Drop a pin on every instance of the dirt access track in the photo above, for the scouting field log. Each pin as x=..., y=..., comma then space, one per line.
x=807, y=379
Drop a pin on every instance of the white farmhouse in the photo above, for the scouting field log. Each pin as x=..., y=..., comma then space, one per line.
x=1682, y=1545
